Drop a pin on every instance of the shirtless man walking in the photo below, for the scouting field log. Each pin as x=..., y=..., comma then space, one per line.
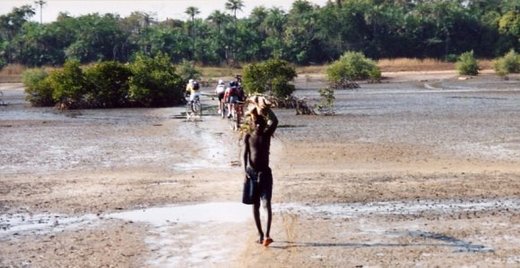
x=257, y=142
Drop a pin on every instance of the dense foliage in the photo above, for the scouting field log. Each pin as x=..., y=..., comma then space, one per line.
x=145, y=82
x=272, y=76
x=352, y=66
x=69, y=85
x=37, y=87
x=509, y=63
x=305, y=34
x=154, y=82
x=107, y=84
x=467, y=64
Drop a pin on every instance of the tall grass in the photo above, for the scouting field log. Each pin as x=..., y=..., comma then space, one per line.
x=12, y=73
x=402, y=65
x=421, y=65
x=413, y=64
x=217, y=72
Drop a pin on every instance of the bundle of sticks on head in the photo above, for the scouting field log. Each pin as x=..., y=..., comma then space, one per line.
x=257, y=105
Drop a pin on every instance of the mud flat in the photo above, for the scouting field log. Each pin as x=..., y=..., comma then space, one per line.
x=420, y=170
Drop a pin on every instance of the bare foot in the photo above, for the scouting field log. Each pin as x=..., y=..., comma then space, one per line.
x=267, y=241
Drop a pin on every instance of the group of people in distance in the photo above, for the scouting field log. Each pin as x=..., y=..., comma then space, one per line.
x=229, y=95
x=259, y=126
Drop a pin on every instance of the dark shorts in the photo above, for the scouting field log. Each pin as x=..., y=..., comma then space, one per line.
x=220, y=96
x=264, y=181
x=232, y=99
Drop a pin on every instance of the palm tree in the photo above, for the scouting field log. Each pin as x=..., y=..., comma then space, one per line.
x=192, y=12
x=234, y=5
x=275, y=21
x=218, y=18
x=40, y=3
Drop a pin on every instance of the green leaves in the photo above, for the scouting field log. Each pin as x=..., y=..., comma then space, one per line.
x=108, y=84
x=271, y=76
x=352, y=66
x=146, y=82
x=68, y=84
x=154, y=82
x=509, y=63
x=467, y=64
x=37, y=87
x=305, y=34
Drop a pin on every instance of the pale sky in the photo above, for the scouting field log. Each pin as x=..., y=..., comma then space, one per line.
x=160, y=9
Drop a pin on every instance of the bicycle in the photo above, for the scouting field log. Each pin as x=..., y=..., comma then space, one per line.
x=222, y=108
x=193, y=108
x=237, y=113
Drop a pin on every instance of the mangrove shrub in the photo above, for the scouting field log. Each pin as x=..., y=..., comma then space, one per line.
x=509, y=63
x=154, y=82
x=467, y=64
x=272, y=76
x=37, y=87
x=146, y=82
x=350, y=67
x=107, y=84
x=69, y=85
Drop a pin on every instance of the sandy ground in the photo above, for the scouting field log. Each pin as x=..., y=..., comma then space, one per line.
x=419, y=170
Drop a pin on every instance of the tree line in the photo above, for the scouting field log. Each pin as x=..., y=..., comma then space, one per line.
x=305, y=34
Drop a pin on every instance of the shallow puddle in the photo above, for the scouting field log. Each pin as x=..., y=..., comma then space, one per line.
x=225, y=212
x=192, y=235
x=229, y=213
x=212, y=233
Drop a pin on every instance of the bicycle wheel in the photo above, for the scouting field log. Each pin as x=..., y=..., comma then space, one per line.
x=224, y=111
x=189, y=111
x=197, y=108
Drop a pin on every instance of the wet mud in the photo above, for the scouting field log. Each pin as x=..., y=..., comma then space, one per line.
x=419, y=170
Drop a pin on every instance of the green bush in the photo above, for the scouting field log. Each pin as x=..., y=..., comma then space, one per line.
x=467, y=64
x=37, y=87
x=352, y=66
x=154, y=82
x=253, y=79
x=107, y=85
x=69, y=85
x=148, y=82
x=509, y=63
x=272, y=76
